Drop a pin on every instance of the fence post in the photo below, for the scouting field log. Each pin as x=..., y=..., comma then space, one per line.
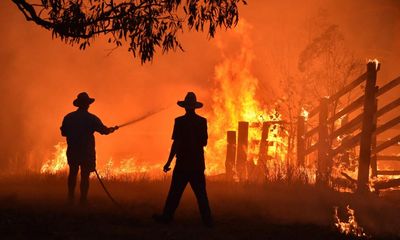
x=323, y=144
x=368, y=127
x=301, y=143
x=241, y=155
x=230, y=154
x=374, y=158
x=263, y=154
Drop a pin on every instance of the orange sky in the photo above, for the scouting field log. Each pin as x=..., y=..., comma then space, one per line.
x=40, y=77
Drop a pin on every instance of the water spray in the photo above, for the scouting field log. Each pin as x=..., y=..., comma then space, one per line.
x=140, y=118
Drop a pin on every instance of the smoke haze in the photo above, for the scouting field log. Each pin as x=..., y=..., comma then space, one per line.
x=40, y=77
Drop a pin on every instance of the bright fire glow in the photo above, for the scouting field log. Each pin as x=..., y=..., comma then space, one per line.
x=128, y=168
x=304, y=113
x=235, y=98
x=59, y=161
x=374, y=61
x=349, y=227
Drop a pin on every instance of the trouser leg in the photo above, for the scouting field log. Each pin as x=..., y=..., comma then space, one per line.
x=178, y=185
x=198, y=184
x=84, y=184
x=73, y=172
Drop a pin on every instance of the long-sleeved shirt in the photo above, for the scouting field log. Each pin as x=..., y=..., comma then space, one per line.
x=79, y=127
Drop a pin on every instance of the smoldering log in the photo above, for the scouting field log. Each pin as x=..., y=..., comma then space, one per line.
x=349, y=178
x=387, y=184
x=346, y=182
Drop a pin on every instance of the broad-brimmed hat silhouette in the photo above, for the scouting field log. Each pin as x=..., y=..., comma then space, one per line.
x=83, y=99
x=190, y=101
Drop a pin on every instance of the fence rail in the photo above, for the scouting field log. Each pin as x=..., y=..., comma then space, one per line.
x=366, y=121
x=388, y=158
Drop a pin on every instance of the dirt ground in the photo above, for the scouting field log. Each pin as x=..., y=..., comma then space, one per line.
x=34, y=207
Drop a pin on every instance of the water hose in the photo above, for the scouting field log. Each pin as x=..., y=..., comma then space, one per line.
x=107, y=192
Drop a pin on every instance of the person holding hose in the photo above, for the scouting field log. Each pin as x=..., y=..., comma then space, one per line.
x=79, y=128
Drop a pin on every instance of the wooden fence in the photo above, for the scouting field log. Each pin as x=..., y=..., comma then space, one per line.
x=365, y=123
x=237, y=160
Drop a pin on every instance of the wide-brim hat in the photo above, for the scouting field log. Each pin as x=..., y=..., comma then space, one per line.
x=83, y=99
x=190, y=101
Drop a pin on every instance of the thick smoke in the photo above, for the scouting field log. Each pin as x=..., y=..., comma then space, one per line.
x=40, y=77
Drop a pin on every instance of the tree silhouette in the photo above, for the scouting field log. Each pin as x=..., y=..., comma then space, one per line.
x=145, y=24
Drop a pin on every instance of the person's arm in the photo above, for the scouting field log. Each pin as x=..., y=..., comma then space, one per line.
x=172, y=154
x=102, y=129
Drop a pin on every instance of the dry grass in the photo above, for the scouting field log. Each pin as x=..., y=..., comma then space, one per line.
x=33, y=206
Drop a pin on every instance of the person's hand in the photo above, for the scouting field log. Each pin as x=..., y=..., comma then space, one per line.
x=112, y=129
x=166, y=167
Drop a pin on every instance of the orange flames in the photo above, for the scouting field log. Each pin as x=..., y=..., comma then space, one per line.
x=349, y=227
x=59, y=161
x=304, y=113
x=128, y=169
x=235, y=99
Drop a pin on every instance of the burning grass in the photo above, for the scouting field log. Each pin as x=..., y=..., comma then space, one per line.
x=34, y=205
x=349, y=227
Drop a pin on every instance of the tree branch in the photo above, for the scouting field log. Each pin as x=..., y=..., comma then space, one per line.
x=148, y=24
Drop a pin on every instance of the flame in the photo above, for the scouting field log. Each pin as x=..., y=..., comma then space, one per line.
x=349, y=227
x=59, y=161
x=235, y=99
x=129, y=168
x=304, y=113
x=377, y=63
